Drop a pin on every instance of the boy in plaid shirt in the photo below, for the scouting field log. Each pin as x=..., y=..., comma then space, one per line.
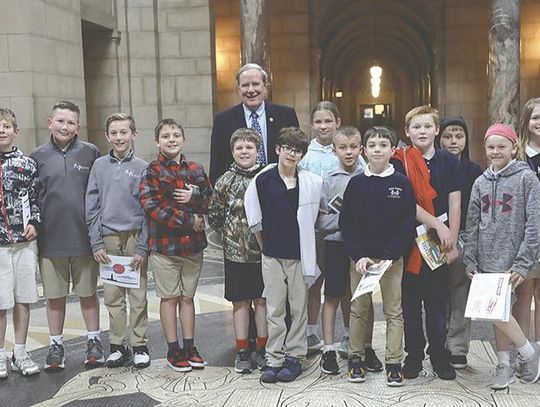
x=175, y=193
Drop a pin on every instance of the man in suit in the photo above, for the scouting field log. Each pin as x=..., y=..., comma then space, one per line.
x=254, y=112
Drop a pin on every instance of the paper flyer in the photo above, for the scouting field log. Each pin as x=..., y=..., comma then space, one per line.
x=489, y=297
x=120, y=273
x=336, y=203
x=370, y=280
x=429, y=245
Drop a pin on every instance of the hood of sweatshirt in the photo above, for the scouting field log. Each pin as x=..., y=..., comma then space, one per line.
x=512, y=168
x=454, y=121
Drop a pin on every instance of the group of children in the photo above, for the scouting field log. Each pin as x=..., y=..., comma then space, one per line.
x=320, y=207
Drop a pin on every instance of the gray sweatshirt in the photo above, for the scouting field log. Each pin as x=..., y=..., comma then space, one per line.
x=334, y=184
x=63, y=176
x=112, y=200
x=503, y=221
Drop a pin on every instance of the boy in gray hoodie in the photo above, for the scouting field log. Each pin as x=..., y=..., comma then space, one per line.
x=502, y=236
x=117, y=226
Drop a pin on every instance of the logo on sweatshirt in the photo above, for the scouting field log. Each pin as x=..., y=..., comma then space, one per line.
x=394, y=192
x=80, y=167
x=506, y=203
x=128, y=173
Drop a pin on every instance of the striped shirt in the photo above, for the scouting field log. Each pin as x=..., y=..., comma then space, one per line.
x=170, y=224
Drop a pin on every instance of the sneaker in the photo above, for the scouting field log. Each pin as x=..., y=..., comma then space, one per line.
x=24, y=364
x=343, y=348
x=55, y=357
x=518, y=366
x=530, y=371
x=357, y=370
x=94, y=353
x=292, y=368
x=119, y=355
x=314, y=343
x=412, y=368
x=459, y=361
x=3, y=367
x=329, y=363
x=243, y=364
x=141, y=357
x=504, y=376
x=443, y=368
x=178, y=360
x=373, y=364
x=258, y=360
x=394, y=375
x=270, y=374
x=195, y=359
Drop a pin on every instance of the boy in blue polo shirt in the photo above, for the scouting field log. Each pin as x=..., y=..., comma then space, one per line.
x=282, y=204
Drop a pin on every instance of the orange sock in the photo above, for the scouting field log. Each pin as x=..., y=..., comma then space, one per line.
x=242, y=344
x=261, y=342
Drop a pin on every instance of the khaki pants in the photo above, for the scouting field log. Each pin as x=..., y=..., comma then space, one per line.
x=284, y=280
x=391, y=294
x=459, y=328
x=123, y=244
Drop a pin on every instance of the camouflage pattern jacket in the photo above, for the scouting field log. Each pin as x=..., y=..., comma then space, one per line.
x=19, y=180
x=228, y=216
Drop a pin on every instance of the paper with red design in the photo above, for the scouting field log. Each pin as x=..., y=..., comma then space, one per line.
x=120, y=273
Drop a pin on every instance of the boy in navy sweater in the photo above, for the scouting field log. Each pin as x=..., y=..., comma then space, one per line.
x=377, y=222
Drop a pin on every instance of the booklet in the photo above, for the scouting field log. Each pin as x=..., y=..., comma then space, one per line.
x=430, y=246
x=336, y=203
x=120, y=273
x=370, y=280
x=489, y=297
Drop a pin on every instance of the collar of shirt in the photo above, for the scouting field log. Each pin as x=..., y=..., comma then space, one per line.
x=169, y=161
x=386, y=173
x=127, y=157
x=531, y=152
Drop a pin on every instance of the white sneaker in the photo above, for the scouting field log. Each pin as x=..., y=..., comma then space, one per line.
x=3, y=367
x=21, y=362
x=141, y=359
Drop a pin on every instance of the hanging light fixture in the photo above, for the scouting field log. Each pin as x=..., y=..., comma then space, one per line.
x=376, y=73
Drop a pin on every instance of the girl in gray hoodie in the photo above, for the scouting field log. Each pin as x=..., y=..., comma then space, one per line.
x=502, y=236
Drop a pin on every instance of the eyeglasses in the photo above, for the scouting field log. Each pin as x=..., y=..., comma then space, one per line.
x=290, y=150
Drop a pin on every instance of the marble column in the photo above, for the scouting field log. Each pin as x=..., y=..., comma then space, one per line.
x=503, y=62
x=255, y=32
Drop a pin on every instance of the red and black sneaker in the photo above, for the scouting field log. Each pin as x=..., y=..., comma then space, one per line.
x=195, y=360
x=178, y=361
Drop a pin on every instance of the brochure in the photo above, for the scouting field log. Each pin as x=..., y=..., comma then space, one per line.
x=370, y=280
x=489, y=297
x=336, y=203
x=120, y=273
x=429, y=245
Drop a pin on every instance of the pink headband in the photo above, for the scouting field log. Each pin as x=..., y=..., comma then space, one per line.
x=503, y=130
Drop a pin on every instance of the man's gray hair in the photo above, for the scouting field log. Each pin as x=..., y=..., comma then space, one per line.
x=249, y=66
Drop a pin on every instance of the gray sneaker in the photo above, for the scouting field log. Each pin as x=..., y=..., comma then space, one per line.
x=258, y=360
x=518, y=366
x=504, y=376
x=55, y=357
x=3, y=367
x=21, y=362
x=530, y=371
x=242, y=364
x=314, y=343
x=94, y=353
x=343, y=348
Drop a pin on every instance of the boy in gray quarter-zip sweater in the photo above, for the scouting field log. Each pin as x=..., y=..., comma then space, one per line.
x=65, y=254
x=117, y=226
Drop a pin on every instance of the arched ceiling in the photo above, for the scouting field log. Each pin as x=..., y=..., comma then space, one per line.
x=398, y=33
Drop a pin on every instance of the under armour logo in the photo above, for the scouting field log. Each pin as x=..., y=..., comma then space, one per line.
x=505, y=203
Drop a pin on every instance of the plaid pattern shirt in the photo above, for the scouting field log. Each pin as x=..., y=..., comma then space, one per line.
x=170, y=224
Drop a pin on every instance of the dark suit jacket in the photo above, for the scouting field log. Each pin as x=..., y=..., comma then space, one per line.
x=226, y=122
